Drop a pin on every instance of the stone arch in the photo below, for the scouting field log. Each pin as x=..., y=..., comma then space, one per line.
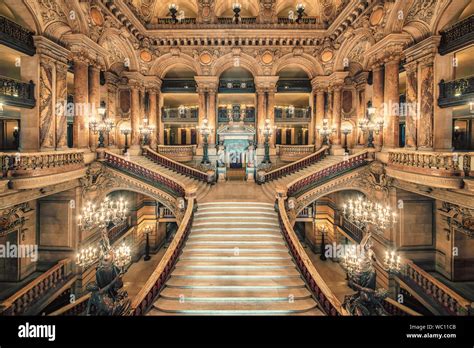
x=449, y=14
x=309, y=64
x=118, y=49
x=190, y=8
x=167, y=61
x=227, y=61
x=23, y=13
x=360, y=35
x=249, y=7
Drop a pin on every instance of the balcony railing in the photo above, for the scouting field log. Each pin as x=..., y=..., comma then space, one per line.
x=294, y=86
x=17, y=93
x=455, y=93
x=136, y=170
x=293, y=167
x=223, y=114
x=171, y=115
x=177, y=167
x=354, y=232
x=25, y=300
x=290, y=153
x=147, y=295
x=171, y=21
x=457, y=36
x=236, y=86
x=178, y=153
x=178, y=86
x=243, y=20
x=32, y=164
x=15, y=36
x=446, y=297
x=288, y=114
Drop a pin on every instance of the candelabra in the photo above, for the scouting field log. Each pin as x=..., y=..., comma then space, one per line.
x=323, y=229
x=325, y=131
x=392, y=261
x=100, y=216
x=267, y=132
x=126, y=131
x=346, y=131
x=109, y=125
x=145, y=131
x=370, y=125
x=300, y=10
x=205, y=132
x=173, y=8
x=97, y=126
x=102, y=125
x=363, y=212
x=236, y=7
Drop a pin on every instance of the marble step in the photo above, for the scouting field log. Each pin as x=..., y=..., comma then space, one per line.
x=205, y=295
x=235, y=273
x=240, y=265
x=232, y=258
x=234, y=249
x=234, y=243
x=235, y=307
x=222, y=283
x=235, y=236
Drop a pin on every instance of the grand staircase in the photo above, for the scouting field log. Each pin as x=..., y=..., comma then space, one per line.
x=235, y=262
x=270, y=187
x=202, y=187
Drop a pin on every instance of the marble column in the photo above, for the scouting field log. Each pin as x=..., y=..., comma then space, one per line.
x=160, y=124
x=152, y=115
x=378, y=96
x=261, y=115
x=319, y=114
x=270, y=112
x=361, y=111
x=312, y=122
x=94, y=99
x=411, y=117
x=212, y=114
x=47, y=96
x=425, y=123
x=81, y=102
x=112, y=87
x=336, y=115
x=135, y=115
x=391, y=103
x=202, y=95
x=61, y=99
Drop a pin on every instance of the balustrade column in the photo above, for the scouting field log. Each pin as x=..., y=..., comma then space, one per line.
x=135, y=116
x=378, y=95
x=94, y=98
x=391, y=103
x=412, y=105
x=152, y=116
x=426, y=119
x=112, y=87
x=81, y=102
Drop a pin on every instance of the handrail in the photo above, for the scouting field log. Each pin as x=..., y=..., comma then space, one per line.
x=145, y=298
x=290, y=168
x=354, y=161
x=176, y=166
x=294, y=152
x=178, y=153
x=316, y=283
x=448, y=298
x=21, y=164
x=395, y=308
x=123, y=164
x=74, y=308
x=19, y=302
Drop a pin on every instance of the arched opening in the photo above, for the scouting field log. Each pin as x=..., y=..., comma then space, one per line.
x=293, y=107
x=180, y=106
x=249, y=8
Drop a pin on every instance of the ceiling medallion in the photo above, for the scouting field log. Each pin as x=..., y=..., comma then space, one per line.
x=145, y=56
x=205, y=58
x=327, y=55
x=96, y=16
x=267, y=58
x=376, y=16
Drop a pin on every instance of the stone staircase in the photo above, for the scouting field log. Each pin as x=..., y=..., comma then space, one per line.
x=270, y=187
x=202, y=187
x=235, y=262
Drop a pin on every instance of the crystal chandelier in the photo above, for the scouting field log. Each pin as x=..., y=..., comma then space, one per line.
x=362, y=212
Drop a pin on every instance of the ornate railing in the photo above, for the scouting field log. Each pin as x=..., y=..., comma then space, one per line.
x=290, y=153
x=23, y=300
x=307, y=212
x=153, y=178
x=187, y=114
x=117, y=231
x=170, y=20
x=15, y=36
x=223, y=114
x=147, y=295
x=446, y=297
x=354, y=232
x=457, y=36
x=293, y=167
x=75, y=308
x=178, y=86
x=448, y=164
x=17, y=93
x=323, y=294
x=230, y=20
x=456, y=93
x=177, y=167
x=30, y=164
x=288, y=114
x=307, y=182
x=166, y=213
x=236, y=86
x=179, y=153
x=397, y=309
x=294, y=85
x=304, y=20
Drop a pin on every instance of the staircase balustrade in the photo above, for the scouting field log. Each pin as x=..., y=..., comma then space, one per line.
x=178, y=153
x=290, y=153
